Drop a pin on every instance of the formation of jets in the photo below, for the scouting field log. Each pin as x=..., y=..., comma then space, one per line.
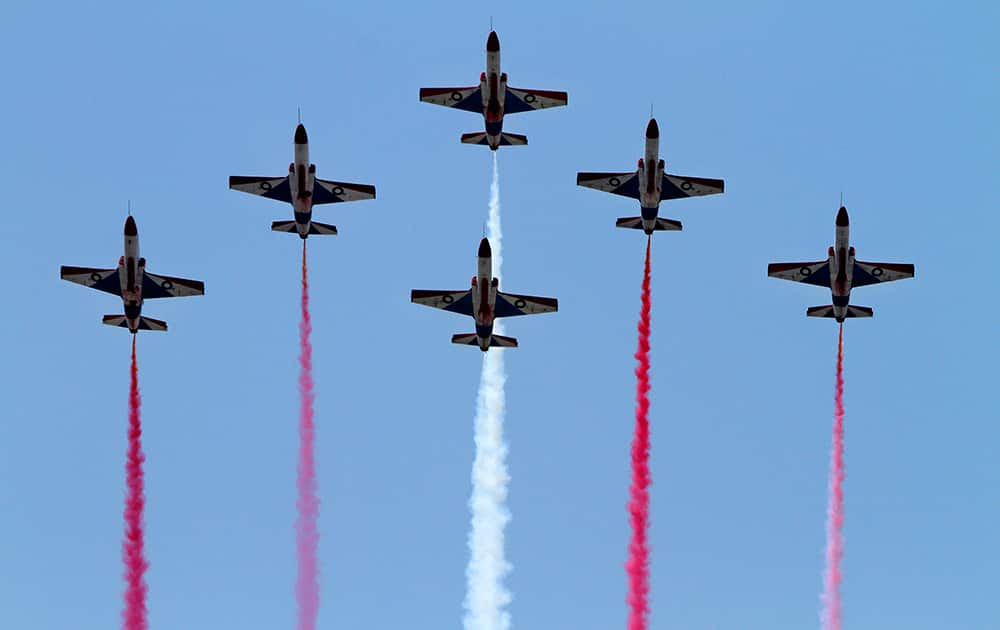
x=484, y=302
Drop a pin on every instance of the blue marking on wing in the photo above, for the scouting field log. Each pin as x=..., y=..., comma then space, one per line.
x=112, y=284
x=505, y=309
x=861, y=278
x=462, y=305
x=281, y=192
x=471, y=103
x=820, y=277
x=513, y=105
x=629, y=188
x=151, y=290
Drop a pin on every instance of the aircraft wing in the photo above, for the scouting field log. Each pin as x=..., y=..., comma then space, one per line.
x=511, y=305
x=468, y=98
x=325, y=191
x=454, y=301
x=270, y=187
x=154, y=286
x=517, y=100
x=624, y=184
x=817, y=273
x=679, y=186
x=101, y=279
x=866, y=273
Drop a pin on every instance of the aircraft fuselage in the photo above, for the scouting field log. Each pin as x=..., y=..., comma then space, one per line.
x=301, y=178
x=841, y=266
x=131, y=269
x=650, y=175
x=484, y=295
x=493, y=85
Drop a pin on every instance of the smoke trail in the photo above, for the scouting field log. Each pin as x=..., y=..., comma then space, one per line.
x=486, y=597
x=134, y=614
x=306, y=533
x=637, y=565
x=835, y=509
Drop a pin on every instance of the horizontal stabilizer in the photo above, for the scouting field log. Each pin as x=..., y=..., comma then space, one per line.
x=635, y=223
x=145, y=323
x=322, y=228
x=314, y=227
x=506, y=139
x=496, y=341
x=827, y=311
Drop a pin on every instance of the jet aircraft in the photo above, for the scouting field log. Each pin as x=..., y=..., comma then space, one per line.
x=130, y=281
x=485, y=302
x=840, y=272
x=303, y=190
x=650, y=184
x=493, y=98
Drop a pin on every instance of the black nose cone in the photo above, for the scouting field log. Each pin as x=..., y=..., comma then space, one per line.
x=493, y=43
x=130, y=227
x=842, y=220
x=300, y=135
x=484, y=249
x=652, y=129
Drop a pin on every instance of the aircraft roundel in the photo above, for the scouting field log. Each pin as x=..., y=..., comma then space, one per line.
x=265, y=185
x=529, y=98
x=520, y=303
x=95, y=277
x=338, y=190
x=805, y=271
x=167, y=285
x=614, y=181
x=877, y=271
x=686, y=185
x=456, y=96
x=447, y=299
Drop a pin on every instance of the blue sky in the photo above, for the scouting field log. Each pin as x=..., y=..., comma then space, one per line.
x=791, y=103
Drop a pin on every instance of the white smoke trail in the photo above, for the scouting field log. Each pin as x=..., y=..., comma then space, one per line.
x=486, y=597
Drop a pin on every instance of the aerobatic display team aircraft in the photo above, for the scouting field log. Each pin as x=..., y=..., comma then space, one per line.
x=493, y=98
x=303, y=190
x=840, y=272
x=650, y=184
x=130, y=281
x=485, y=302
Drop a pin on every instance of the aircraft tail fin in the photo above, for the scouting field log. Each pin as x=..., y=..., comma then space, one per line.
x=314, y=227
x=145, y=323
x=506, y=139
x=827, y=311
x=635, y=223
x=496, y=341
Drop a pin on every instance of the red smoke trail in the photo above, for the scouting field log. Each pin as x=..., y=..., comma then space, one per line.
x=306, y=534
x=637, y=566
x=134, y=615
x=835, y=509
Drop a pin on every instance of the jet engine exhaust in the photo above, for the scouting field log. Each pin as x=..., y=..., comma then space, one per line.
x=486, y=597
x=306, y=532
x=637, y=565
x=133, y=552
x=831, y=616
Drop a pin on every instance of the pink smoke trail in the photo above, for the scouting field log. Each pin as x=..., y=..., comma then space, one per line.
x=637, y=565
x=134, y=614
x=835, y=509
x=306, y=533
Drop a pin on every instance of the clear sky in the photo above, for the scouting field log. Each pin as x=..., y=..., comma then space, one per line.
x=792, y=103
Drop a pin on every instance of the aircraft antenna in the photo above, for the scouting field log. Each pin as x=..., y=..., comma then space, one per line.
x=491, y=23
x=129, y=207
x=299, y=110
x=842, y=199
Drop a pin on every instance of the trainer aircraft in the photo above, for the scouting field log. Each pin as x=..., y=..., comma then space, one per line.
x=130, y=281
x=841, y=272
x=493, y=99
x=650, y=184
x=303, y=190
x=484, y=302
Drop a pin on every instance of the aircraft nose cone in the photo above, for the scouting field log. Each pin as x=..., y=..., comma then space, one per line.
x=484, y=249
x=842, y=220
x=300, y=135
x=493, y=43
x=652, y=129
x=130, y=227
